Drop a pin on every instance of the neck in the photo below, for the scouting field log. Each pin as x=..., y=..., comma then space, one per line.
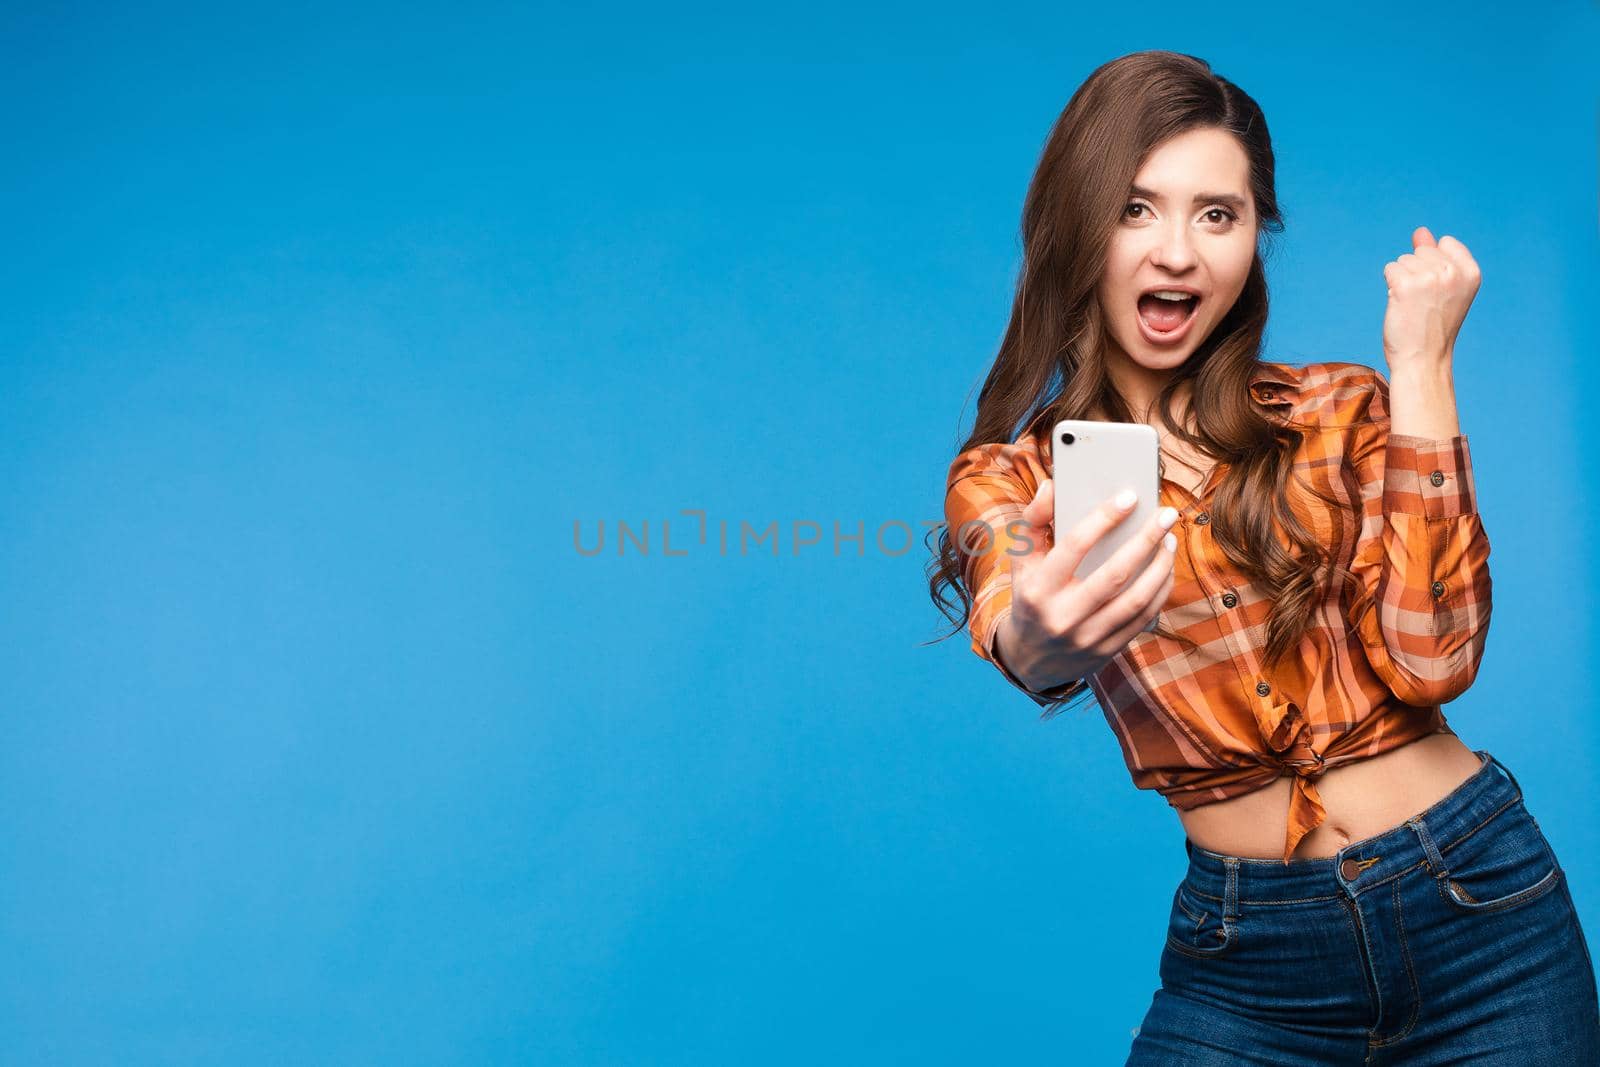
x=1140, y=386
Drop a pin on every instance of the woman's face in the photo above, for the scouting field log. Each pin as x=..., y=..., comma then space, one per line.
x=1188, y=224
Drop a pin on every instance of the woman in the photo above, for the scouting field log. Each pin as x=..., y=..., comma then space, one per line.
x=1363, y=887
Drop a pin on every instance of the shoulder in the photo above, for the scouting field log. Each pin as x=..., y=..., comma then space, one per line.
x=1345, y=377
x=1019, y=462
x=1335, y=394
x=1355, y=395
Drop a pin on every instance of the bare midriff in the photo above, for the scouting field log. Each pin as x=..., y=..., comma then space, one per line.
x=1361, y=800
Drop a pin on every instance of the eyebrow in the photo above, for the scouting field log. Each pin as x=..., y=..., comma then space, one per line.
x=1232, y=200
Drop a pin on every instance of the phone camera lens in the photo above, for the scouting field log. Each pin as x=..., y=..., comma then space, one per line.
x=1067, y=438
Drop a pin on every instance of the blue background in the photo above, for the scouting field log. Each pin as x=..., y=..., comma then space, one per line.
x=323, y=331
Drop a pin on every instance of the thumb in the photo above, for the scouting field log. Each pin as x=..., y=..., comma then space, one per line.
x=1422, y=238
x=1038, y=515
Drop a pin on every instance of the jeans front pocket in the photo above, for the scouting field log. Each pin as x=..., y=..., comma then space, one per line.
x=1504, y=863
x=1197, y=925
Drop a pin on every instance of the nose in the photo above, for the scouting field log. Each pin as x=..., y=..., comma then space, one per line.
x=1173, y=249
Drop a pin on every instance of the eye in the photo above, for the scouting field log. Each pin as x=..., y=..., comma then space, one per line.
x=1227, y=216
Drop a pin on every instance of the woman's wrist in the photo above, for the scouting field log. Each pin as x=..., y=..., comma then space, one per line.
x=1015, y=662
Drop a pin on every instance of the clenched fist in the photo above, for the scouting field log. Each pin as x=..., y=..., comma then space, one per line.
x=1430, y=289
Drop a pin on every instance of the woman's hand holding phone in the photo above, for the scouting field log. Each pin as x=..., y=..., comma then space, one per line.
x=1062, y=628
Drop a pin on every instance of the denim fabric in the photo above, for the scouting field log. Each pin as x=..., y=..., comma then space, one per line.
x=1451, y=938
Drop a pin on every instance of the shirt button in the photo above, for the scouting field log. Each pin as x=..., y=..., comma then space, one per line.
x=1438, y=589
x=1262, y=688
x=1437, y=478
x=1201, y=519
x=1350, y=868
x=1229, y=600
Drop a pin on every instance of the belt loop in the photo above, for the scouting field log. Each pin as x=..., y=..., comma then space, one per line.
x=1230, y=894
x=1507, y=772
x=1435, y=860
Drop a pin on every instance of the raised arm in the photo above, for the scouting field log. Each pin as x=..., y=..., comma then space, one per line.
x=1423, y=556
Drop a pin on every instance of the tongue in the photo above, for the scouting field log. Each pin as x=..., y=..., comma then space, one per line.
x=1163, y=315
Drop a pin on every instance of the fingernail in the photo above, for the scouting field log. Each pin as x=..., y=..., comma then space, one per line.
x=1170, y=542
x=1126, y=499
x=1166, y=517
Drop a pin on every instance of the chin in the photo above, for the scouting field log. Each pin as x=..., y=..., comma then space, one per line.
x=1154, y=358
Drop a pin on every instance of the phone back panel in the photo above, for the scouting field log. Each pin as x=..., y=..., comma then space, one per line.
x=1104, y=459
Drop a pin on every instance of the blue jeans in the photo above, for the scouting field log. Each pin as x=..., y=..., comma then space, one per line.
x=1449, y=939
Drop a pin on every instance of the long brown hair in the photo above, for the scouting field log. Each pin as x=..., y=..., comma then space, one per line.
x=1051, y=363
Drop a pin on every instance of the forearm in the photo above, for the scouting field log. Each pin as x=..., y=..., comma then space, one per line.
x=1422, y=401
x=1424, y=615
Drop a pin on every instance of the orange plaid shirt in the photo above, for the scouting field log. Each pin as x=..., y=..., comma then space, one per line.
x=1205, y=724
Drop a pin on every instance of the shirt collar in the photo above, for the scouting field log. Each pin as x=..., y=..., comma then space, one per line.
x=1275, y=383
x=1271, y=383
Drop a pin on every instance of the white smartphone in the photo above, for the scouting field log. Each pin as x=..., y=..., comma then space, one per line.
x=1093, y=461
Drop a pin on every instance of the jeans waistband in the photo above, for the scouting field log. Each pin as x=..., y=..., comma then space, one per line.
x=1426, y=836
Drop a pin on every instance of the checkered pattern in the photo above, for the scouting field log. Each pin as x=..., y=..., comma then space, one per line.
x=1210, y=723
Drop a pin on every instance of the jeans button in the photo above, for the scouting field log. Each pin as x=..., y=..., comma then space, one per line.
x=1349, y=868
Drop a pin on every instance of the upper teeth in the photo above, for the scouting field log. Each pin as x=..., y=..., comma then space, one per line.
x=1171, y=294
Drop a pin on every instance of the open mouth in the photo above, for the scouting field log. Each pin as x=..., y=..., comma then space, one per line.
x=1163, y=315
